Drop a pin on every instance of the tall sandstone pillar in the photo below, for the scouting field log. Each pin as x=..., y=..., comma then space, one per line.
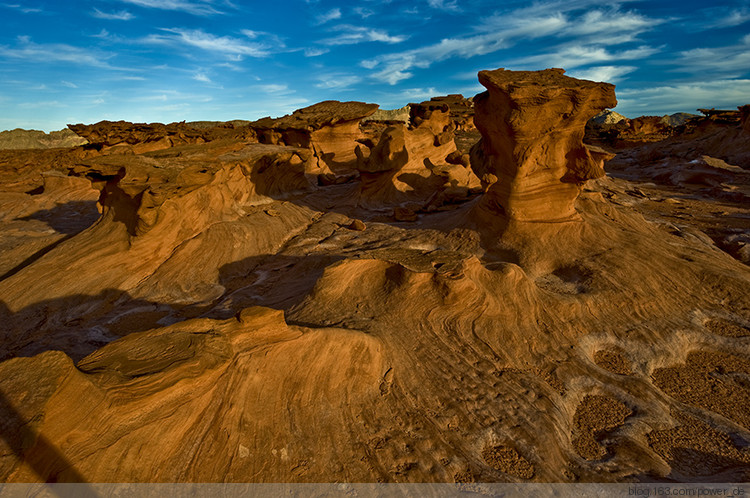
x=531, y=157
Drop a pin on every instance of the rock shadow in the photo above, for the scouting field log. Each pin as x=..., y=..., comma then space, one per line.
x=70, y=218
x=36, y=451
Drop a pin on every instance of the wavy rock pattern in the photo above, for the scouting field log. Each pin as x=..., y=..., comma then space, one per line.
x=225, y=318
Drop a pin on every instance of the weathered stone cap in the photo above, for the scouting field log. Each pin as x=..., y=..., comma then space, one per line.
x=316, y=116
x=551, y=79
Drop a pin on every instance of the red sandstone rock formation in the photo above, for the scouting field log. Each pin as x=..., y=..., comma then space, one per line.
x=409, y=164
x=330, y=129
x=531, y=155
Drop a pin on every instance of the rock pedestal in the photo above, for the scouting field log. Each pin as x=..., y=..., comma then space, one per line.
x=531, y=157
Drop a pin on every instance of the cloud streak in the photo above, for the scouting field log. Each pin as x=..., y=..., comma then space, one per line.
x=351, y=35
x=231, y=47
x=122, y=15
x=195, y=7
x=591, y=30
x=28, y=51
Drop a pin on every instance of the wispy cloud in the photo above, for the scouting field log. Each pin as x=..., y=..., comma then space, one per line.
x=329, y=16
x=122, y=15
x=586, y=32
x=22, y=8
x=231, y=47
x=363, y=12
x=195, y=7
x=609, y=74
x=337, y=81
x=201, y=76
x=575, y=56
x=730, y=61
x=27, y=50
x=683, y=97
x=68, y=84
x=315, y=51
x=443, y=4
x=351, y=35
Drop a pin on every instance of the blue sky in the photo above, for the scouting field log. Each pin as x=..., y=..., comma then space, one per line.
x=70, y=61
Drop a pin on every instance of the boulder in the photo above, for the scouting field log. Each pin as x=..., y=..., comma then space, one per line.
x=531, y=155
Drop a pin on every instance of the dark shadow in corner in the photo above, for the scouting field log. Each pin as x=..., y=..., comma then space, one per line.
x=689, y=465
x=47, y=462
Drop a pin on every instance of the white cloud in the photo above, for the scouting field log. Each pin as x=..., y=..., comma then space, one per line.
x=315, y=52
x=27, y=50
x=337, y=81
x=728, y=62
x=684, y=97
x=195, y=7
x=573, y=56
x=443, y=4
x=200, y=76
x=122, y=15
x=198, y=38
x=363, y=12
x=25, y=10
x=274, y=89
x=351, y=35
x=584, y=33
x=329, y=16
x=608, y=74
x=68, y=84
x=733, y=18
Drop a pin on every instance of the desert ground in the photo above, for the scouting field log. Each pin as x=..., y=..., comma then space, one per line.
x=517, y=287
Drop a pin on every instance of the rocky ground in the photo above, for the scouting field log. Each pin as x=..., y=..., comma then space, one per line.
x=309, y=299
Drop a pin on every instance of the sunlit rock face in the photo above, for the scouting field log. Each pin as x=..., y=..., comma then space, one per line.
x=531, y=156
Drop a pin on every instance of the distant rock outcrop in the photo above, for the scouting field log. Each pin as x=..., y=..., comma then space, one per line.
x=401, y=114
x=607, y=117
x=531, y=156
x=142, y=137
x=35, y=139
x=460, y=109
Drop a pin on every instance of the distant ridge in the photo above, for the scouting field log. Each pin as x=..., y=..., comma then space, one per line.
x=35, y=139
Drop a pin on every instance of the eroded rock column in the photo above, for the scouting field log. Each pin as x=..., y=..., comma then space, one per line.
x=531, y=156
